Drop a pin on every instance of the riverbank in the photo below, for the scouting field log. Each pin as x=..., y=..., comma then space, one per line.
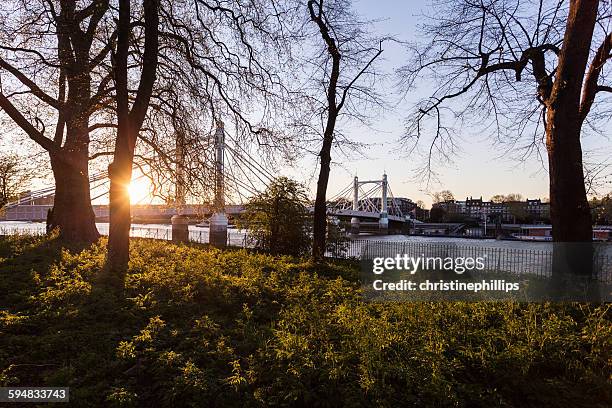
x=200, y=235
x=199, y=326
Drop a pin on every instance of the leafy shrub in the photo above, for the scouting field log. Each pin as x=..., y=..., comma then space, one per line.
x=278, y=220
x=201, y=327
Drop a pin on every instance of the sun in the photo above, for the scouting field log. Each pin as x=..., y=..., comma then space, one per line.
x=139, y=190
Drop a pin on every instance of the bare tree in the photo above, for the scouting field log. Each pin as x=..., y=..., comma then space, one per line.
x=345, y=60
x=50, y=56
x=14, y=177
x=442, y=196
x=209, y=61
x=129, y=122
x=501, y=198
x=527, y=66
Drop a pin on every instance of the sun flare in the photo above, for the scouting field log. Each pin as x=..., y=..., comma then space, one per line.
x=138, y=190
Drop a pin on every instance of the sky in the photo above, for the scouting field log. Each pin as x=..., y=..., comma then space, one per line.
x=479, y=169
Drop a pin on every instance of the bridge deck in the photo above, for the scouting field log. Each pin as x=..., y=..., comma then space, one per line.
x=365, y=214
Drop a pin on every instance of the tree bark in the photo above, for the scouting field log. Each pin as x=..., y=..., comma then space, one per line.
x=120, y=174
x=569, y=208
x=570, y=212
x=72, y=213
x=320, y=209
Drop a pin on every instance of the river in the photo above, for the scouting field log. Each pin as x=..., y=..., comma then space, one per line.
x=236, y=236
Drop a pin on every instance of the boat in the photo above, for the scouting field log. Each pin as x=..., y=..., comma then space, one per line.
x=532, y=238
x=543, y=233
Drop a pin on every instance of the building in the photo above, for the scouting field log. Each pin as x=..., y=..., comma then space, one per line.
x=507, y=212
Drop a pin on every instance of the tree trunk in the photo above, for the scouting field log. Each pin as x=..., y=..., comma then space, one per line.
x=569, y=207
x=129, y=123
x=320, y=209
x=72, y=213
x=120, y=173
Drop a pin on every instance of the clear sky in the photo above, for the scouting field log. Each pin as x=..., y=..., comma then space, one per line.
x=478, y=170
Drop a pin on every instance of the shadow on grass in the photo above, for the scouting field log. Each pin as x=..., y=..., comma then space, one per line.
x=53, y=322
x=21, y=259
x=201, y=327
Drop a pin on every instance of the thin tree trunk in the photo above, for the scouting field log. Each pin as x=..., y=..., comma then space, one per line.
x=320, y=209
x=120, y=173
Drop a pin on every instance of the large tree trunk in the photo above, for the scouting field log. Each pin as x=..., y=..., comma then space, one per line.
x=72, y=212
x=569, y=208
x=320, y=209
x=570, y=212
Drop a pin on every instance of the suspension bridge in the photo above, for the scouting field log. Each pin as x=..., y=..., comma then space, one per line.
x=363, y=205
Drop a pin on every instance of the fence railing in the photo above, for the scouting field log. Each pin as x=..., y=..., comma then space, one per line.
x=508, y=260
x=498, y=259
x=235, y=238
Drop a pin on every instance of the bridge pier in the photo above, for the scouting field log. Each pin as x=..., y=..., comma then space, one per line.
x=180, y=228
x=218, y=230
x=355, y=220
x=218, y=222
x=354, y=226
x=383, y=224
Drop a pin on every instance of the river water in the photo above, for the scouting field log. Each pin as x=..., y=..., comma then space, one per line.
x=237, y=237
x=510, y=256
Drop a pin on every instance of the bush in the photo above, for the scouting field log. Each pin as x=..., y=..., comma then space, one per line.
x=277, y=220
x=201, y=327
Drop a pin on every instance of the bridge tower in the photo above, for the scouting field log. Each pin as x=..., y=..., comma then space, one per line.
x=383, y=222
x=180, y=222
x=355, y=220
x=218, y=221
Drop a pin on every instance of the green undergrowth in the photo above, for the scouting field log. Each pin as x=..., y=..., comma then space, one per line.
x=199, y=327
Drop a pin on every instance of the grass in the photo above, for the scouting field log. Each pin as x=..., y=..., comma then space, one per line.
x=199, y=327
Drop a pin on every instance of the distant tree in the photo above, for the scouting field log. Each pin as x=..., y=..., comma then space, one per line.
x=442, y=196
x=278, y=220
x=601, y=210
x=518, y=211
x=500, y=198
x=514, y=197
x=14, y=177
x=437, y=214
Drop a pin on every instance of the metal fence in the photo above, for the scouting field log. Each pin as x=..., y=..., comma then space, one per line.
x=507, y=260
x=235, y=238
